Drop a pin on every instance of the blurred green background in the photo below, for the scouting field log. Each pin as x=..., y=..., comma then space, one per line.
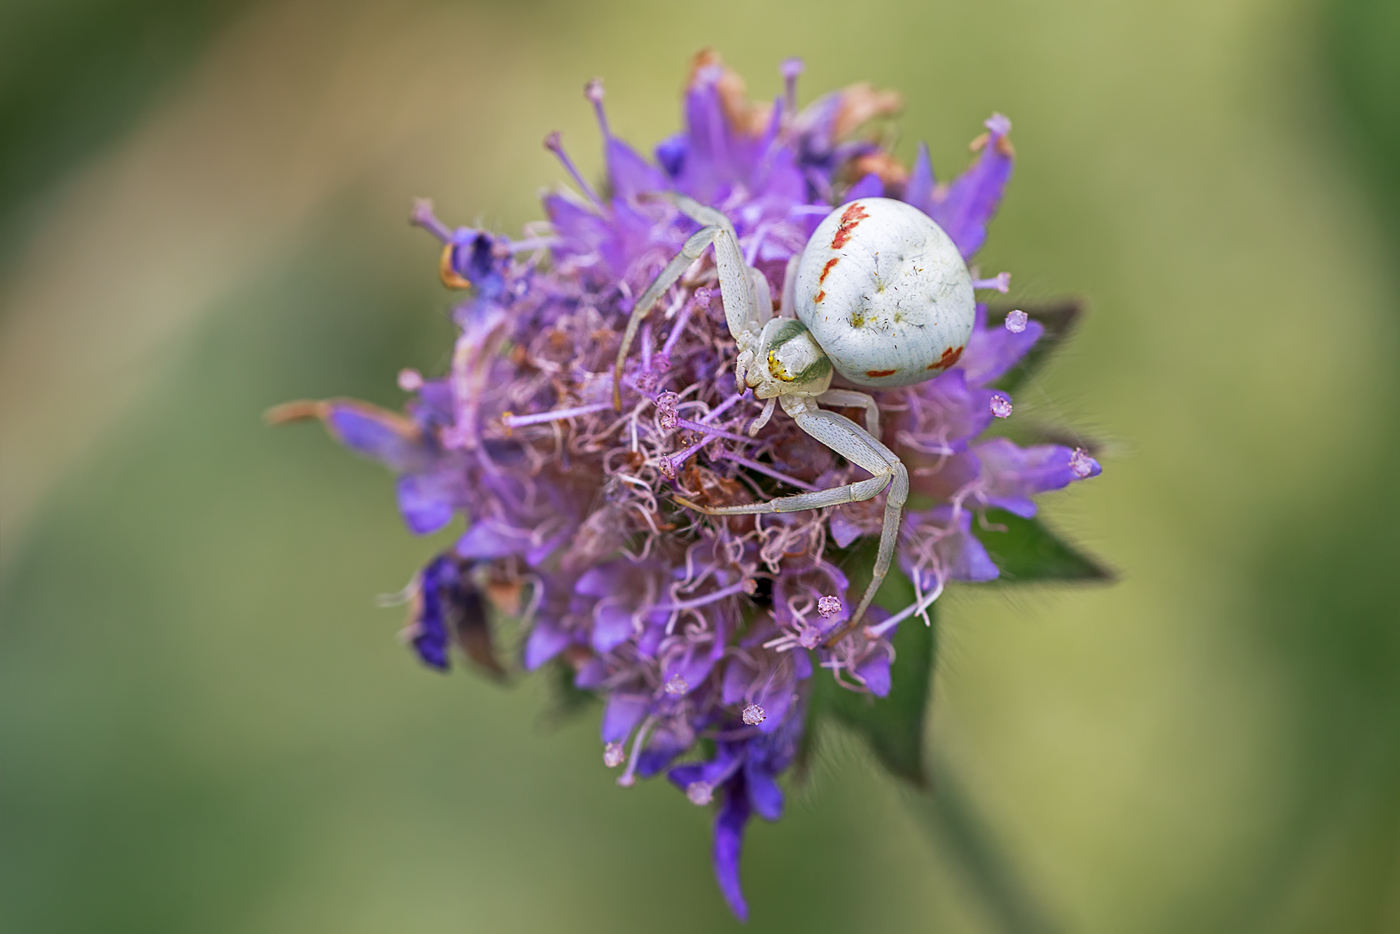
x=205, y=722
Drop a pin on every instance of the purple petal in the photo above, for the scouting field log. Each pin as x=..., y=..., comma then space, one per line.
x=592, y=675
x=730, y=822
x=430, y=640
x=601, y=581
x=992, y=351
x=691, y=666
x=621, y=716
x=918, y=191
x=737, y=677
x=545, y=642
x=424, y=502
x=630, y=173
x=612, y=626
x=764, y=793
x=385, y=436
x=1011, y=475
x=868, y=187
x=970, y=201
x=487, y=539
x=875, y=671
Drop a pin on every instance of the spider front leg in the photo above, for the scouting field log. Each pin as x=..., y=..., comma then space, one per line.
x=737, y=287
x=861, y=448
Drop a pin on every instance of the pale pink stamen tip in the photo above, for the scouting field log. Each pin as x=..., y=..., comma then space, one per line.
x=699, y=793
x=626, y=780
x=702, y=297
x=1081, y=464
x=677, y=686
x=410, y=380
x=666, y=415
x=593, y=90
x=791, y=67
x=613, y=755
x=1001, y=406
x=829, y=606
x=1016, y=321
x=754, y=715
x=810, y=637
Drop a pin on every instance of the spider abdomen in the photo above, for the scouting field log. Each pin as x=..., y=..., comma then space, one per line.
x=885, y=292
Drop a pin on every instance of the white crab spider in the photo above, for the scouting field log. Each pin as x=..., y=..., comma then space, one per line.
x=880, y=294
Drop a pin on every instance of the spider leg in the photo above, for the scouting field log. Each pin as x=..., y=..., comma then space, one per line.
x=689, y=253
x=861, y=448
x=788, y=308
x=843, y=398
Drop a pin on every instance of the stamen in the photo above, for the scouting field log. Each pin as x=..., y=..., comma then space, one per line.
x=1016, y=321
x=552, y=143
x=627, y=779
x=1081, y=464
x=699, y=793
x=1001, y=406
x=554, y=415
x=711, y=597
x=666, y=415
x=593, y=90
x=754, y=715
x=829, y=606
x=791, y=68
x=677, y=686
x=917, y=607
x=614, y=754
x=410, y=380
x=1001, y=282
x=712, y=431
x=424, y=217
x=768, y=471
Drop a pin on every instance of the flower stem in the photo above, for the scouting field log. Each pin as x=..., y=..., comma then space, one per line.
x=946, y=813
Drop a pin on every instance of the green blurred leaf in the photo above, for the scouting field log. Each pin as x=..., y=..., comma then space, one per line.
x=1025, y=550
x=1058, y=317
x=893, y=725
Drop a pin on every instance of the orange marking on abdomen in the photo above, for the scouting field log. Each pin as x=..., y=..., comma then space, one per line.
x=853, y=216
x=950, y=356
x=877, y=374
x=827, y=268
x=820, y=295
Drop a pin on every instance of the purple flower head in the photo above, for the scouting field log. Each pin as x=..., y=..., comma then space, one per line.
x=697, y=631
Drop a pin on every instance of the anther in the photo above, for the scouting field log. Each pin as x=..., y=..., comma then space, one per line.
x=410, y=380
x=614, y=754
x=666, y=415
x=1001, y=282
x=1081, y=464
x=554, y=145
x=448, y=273
x=1001, y=406
x=829, y=606
x=791, y=68
x=754, y=715
x=593, y=90
x=699, y=793
x=1016, y=321
x=677, y=686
